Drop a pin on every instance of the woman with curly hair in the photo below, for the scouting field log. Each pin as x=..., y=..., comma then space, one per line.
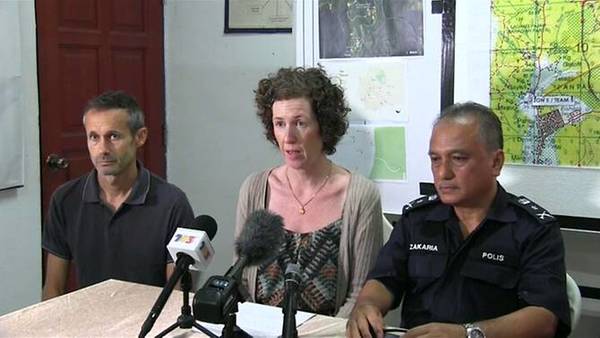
x=332, y=217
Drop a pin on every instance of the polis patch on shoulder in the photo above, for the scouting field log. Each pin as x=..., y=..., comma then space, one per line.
x=541, y=214
x=420, y=202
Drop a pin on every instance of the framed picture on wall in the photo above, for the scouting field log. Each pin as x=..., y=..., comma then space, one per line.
x=258, y=16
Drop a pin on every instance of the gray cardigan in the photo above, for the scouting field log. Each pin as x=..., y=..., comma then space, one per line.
x=360, y=241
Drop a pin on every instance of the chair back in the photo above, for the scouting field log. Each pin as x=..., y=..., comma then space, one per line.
x=387, y=228
x=574, y=296
x=393, y=317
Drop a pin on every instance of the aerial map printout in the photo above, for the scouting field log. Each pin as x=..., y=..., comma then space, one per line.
x=545, y=80
x=370, y=28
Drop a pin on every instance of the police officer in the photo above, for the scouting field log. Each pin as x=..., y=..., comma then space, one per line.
x=472, y=260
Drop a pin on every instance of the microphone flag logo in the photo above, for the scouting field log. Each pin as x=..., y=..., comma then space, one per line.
x=186, y=239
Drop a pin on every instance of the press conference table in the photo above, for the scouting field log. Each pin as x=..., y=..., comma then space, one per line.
x=117, y=309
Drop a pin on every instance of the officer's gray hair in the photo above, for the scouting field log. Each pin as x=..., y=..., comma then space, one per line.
x=118, y=100
x=490, y=127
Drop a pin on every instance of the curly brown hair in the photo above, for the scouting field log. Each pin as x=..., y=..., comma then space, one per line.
x=327, y=101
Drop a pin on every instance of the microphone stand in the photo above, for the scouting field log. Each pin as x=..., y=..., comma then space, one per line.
x=230, y=325
x=186, y=320
x=290, y=302
x=289, y=316
x=231, y=330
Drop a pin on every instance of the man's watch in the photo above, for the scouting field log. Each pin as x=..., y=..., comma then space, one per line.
x=473, y=331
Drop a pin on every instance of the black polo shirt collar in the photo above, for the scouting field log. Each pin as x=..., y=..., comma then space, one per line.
x=498, y=210
x=139, y=192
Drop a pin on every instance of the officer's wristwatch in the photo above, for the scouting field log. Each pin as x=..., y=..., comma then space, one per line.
x=473, y=331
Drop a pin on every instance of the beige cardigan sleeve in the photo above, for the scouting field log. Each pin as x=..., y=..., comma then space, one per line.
x=252, y=196
x=362, y=238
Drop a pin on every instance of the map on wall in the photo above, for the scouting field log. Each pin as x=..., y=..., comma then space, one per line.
x=259, y=14
x=377, y=152
x=374, y=144
x=375, y=91
x=370, y=28
x=545, y=80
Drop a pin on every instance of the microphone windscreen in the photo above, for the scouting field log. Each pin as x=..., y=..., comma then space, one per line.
x=205, y=223
x=261, y=237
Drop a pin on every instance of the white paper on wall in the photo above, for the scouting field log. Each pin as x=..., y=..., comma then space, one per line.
x=11, y=106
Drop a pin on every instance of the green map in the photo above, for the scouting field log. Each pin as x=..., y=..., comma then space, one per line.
x=375, y=152
x=390, y=154
x=545, y=80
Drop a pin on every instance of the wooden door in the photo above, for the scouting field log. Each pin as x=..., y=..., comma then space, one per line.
x=86, y=47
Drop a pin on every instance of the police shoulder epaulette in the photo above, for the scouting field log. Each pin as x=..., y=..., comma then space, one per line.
x=539, y=213
x=420, y=202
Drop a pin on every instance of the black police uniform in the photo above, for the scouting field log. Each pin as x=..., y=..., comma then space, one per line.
x=515, y=258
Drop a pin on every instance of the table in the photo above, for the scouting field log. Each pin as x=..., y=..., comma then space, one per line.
x=117, y=309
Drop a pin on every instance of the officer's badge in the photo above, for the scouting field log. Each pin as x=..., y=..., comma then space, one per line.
x=419, y=202
x=541, y=214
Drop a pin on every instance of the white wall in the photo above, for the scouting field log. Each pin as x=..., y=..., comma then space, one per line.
x=20, y=225
x=215, y=139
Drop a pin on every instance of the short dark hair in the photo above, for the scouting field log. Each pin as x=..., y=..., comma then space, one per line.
x=326, y=98
x=490, y=127
x=118, y=100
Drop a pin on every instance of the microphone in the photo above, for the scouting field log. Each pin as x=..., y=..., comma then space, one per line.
x=192, y=244
x=189, y=246
x=259, y=241
x=290, y=303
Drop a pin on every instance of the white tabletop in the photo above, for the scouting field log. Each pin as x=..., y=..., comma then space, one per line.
x=117, y=309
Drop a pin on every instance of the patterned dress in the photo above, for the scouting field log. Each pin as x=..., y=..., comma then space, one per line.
x=317, y=254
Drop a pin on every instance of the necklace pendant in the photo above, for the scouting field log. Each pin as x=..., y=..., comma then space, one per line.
x=302, y=211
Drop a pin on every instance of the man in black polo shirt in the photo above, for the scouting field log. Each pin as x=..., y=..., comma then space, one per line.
x=116, y=221
x=472, y=261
